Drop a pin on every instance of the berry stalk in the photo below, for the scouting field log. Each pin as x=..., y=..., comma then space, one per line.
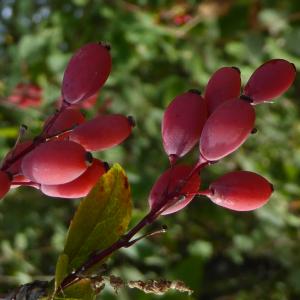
x=125, y=241
x=36, y=141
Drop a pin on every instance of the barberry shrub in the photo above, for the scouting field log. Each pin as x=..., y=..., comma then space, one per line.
x=59, y=162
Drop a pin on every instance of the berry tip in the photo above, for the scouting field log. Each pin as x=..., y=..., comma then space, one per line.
x=254, y=130
x=105, y=45
x=246, y=98
x=131, y=121
x=89, y=157
x=237, y=69
x=194, y=91
x=106, y=166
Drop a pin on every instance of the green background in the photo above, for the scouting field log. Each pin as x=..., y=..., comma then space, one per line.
x=218, y=253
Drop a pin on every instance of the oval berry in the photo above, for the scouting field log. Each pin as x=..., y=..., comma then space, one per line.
x=223, y=85
x=102, y=132
x=79, y=187
x=86, y=72
x=270, y=80
x=182, y=124
x=172, y=184
x=226, y=129
x=55, y=162
x=241, y=191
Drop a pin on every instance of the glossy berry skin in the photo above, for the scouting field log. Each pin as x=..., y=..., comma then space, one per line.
x=171, y=182
x=241, y=191
x=102, y=132
x=5, y=182
x=223, y=85
x=55, y=162
x=270, y=80
x=67, y=119
x=226, y=129
x=79, y=187
x=86, y=72
x=182, y=124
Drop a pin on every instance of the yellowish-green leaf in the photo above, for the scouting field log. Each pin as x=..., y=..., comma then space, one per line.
x=81, y=290
x=101, y=218
x=61, y=269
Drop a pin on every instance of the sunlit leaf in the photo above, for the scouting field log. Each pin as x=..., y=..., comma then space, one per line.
x=102, y=217
x=82, y=290
x=61, y=269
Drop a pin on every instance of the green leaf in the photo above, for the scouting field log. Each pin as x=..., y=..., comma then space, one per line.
x=101, y=218
x=61, y=269
x=81, y=290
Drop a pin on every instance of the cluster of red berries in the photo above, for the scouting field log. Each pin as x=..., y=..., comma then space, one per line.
x=59, y=161
x=219, y=122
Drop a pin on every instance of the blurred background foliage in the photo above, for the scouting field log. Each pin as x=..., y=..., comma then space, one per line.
x=160, y=49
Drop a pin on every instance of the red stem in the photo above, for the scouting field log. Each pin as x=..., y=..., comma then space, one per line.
x=124, y=241
x=36, y=141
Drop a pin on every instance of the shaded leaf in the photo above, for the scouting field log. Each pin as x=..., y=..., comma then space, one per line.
x=81, y=290
x=61, y=269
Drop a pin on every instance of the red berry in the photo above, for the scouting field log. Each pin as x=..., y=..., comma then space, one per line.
x=55, y=162
x=171, y=184
x=79, y=187
x=241, y=190
x=5, y=182
x=270, y=80
x=102, y=132
x=182, y=124
x=226, y=129
x=223, y=85
x=67, y=119
x=86, y=72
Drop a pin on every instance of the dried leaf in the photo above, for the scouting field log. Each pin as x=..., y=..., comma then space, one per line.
x=159, y=287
